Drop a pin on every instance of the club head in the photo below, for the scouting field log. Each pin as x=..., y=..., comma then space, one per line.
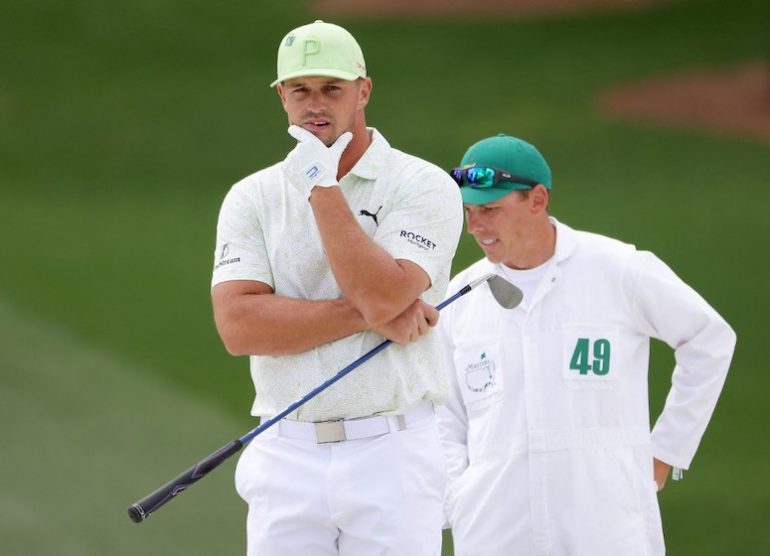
x=505, y=293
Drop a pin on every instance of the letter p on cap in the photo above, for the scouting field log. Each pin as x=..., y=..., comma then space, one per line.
x=310, y=48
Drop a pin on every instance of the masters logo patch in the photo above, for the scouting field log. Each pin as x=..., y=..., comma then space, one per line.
x=480, y=375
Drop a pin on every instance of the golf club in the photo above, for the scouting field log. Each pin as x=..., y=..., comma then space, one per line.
x=505, y=293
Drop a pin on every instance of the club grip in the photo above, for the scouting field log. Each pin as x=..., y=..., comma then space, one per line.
x=142, y=509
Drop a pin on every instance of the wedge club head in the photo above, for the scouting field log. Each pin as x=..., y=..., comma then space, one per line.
x=505, y=293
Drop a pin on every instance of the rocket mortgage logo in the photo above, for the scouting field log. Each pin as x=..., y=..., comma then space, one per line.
x=420, y=241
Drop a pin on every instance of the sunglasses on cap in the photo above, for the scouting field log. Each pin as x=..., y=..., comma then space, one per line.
x=480, y=177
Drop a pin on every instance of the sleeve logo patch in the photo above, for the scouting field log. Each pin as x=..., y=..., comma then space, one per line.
x=223, y=260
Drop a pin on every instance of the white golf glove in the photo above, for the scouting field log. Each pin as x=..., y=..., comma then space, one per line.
x=311, y=162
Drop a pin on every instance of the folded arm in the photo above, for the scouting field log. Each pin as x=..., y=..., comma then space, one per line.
x=252, y=320
x=378, y=285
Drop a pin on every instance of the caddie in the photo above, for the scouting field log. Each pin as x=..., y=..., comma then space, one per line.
x=318, y=257
x=547, y=426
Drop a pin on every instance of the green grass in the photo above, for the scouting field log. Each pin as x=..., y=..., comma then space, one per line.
x=88, y=436
x=123, y=125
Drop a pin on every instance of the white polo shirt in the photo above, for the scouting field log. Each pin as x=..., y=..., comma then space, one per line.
x=266, y=232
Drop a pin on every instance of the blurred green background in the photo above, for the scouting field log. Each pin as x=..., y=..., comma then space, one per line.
x=123, y=125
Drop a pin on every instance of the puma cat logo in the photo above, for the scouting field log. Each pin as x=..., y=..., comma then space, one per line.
x=364, y=212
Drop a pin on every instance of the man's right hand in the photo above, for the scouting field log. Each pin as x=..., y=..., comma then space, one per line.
x=410, y=325
x=312, y=163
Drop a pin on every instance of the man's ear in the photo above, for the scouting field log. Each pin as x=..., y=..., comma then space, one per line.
x=540, y=197
x=364, y=92
x=281, y=94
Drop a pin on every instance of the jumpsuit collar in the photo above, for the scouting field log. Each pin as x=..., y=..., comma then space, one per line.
x=566, y=241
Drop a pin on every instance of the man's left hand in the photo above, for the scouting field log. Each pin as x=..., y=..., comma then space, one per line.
x=410, y=325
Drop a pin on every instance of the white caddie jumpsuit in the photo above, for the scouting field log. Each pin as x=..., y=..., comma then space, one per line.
x=547, y=427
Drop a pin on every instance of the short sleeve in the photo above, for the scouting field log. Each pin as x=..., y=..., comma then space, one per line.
x=425, y=223
x=240, y=252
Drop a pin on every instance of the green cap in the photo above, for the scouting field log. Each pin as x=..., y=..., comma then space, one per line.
x=507, y=153
x=322, y=49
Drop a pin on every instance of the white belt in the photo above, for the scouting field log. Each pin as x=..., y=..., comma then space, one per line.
x=353, y=429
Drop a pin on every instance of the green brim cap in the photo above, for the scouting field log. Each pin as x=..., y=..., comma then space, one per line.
x=507, y=153
x=320, y=49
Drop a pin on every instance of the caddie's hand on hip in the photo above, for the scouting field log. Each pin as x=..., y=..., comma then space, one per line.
x=661, y=471
x=409, y=326
x=312, y=163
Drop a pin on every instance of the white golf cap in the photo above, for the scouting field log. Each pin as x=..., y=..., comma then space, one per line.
x=322, y=49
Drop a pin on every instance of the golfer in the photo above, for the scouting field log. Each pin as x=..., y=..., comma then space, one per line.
x=318, y=257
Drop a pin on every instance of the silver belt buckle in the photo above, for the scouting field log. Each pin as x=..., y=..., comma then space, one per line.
x=330, y=431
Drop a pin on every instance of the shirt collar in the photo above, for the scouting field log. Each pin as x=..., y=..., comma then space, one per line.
x=373, y=160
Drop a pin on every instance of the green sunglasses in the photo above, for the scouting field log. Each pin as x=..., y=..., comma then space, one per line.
x=481, y=177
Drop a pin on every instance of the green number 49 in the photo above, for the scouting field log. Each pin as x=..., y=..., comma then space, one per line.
x=581, y=359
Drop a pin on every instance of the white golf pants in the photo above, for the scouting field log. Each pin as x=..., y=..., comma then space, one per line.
x=374, y=496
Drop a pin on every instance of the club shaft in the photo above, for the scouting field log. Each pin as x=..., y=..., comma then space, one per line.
x=142, y=509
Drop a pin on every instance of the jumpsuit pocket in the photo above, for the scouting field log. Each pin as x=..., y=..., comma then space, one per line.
x=587, y=357
x=479, y=374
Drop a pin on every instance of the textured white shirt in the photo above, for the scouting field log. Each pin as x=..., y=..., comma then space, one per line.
x=266, y=232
